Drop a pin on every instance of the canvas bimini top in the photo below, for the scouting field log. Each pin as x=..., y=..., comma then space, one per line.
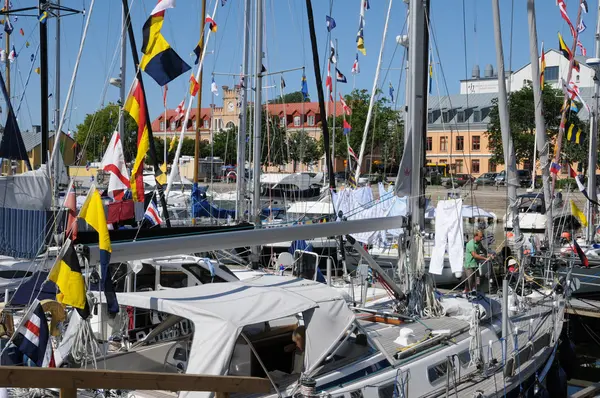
x=219, y=312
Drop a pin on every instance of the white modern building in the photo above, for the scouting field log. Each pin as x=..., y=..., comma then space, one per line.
x=556, y=67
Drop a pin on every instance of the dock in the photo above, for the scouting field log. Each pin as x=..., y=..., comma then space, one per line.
x=583, y=307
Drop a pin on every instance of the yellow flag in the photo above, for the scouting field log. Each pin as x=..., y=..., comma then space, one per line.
x=66, y=274
x=173, y=144
x=92, y=212
x=578, y=213
x=162, y=179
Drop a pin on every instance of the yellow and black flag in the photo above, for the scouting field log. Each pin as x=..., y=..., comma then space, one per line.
x=574, y=134
x=566, y=52
x=160, y=61
x=66, y=274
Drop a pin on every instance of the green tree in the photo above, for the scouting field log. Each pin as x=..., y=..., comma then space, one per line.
x=224, y=145
x=97, y=128
x=386, y=131
x=522, y=126
x=290, y=98
x=303, y=148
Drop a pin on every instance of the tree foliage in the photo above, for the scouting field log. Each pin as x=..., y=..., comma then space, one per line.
x=303, y=148
x=97, y=128
x=187, y=149
x=290, y=98
x=386, y=131
x=522, y=126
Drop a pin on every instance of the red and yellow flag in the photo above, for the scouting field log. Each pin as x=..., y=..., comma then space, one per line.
x=136, y=107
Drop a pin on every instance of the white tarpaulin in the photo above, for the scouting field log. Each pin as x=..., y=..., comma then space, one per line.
x=26, y=191
x=220, y=311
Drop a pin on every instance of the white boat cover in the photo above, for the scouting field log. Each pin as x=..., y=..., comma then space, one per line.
x=220, y=311
x=27, y=191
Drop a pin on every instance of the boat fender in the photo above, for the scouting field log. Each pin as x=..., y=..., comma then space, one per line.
x=556, y=381
x=567, y=357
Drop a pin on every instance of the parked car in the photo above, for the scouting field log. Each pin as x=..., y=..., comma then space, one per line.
x=341, y=176
x=459, y=180
x=523, y=178
x=486, y=179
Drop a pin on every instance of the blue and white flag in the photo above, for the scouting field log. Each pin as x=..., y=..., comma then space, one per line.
x=330, y=23
x=152, y=215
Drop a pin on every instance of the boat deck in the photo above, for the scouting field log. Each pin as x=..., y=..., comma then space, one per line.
x=533, y=331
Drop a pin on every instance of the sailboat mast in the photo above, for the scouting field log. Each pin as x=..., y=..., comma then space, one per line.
x=57, y=74
x=593, y=149
x=122, y=77
x=319, y=81
x=507, y=142
x=540, y=124
x=153, y=157
x=240, y=181
x=199, y=108
x=334, y=111
x=258, y=49
x=417, y=107
x=43, y=4
x=7, y=39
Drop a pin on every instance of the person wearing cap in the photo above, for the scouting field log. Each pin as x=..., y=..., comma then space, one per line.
x=474, y=254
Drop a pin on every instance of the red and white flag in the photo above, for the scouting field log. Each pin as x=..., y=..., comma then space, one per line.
x=345, y=106
x=563, y=12
x=581, y=48
x=328, y=82
x=180, y=110
x=113, y=162
x=351, y=152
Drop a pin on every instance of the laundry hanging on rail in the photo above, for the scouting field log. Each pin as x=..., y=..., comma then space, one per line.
x=448, y=233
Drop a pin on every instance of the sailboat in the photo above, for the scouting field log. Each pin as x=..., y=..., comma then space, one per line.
x=415, y=344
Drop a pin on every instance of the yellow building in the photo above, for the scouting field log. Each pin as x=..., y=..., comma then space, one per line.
x=33, y=144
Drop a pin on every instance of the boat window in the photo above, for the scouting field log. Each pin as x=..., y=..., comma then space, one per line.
x=202, y=274
x=14, y=274
x=464, y=357
x=434, y=373
x=389, y=390
x=180, y=354
x=532, y=205
x=173, y=279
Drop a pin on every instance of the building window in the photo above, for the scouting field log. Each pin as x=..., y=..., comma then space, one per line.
x=446, y=116
x=297, y=122
x=311, y=120
x=475, y=166
x=206, y=123
x=492, y=166
x=577, y=79
x=551, y=74
x=162, y=126
x=460, y=117
x=282, y=121
x=476, y=143
x=429, y=144
x=460, y=143
x=459, y=166
x=194, y=124
x=443, y=144
x=443, y=161
x=477, y=116
x=173, y=125
x=230, y=126
x=427, y=161
x=430, y=118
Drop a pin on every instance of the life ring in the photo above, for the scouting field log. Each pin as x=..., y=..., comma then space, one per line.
x=57, y=310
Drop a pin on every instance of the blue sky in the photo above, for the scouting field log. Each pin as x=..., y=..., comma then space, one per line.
x=287, y=46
